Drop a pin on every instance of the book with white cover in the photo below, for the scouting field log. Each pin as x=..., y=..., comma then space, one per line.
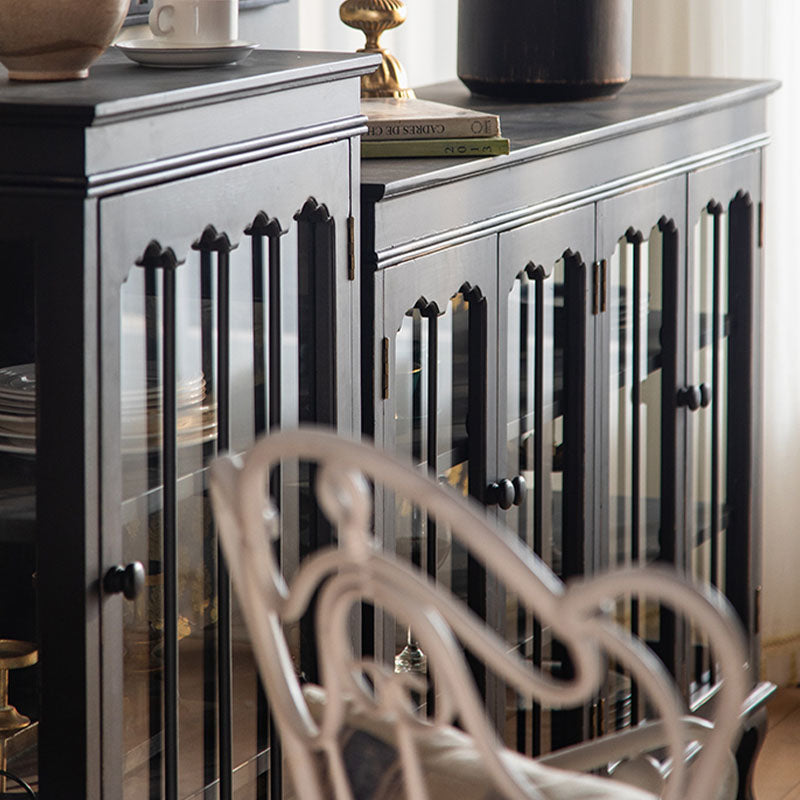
x=389, y=118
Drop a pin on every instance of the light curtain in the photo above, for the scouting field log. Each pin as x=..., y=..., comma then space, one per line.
x=757, y=39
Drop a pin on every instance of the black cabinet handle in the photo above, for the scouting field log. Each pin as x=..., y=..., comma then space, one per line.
x=520, y=489
x=694, y=397
x=500, y=494
x=126, y=580
x=690, y=397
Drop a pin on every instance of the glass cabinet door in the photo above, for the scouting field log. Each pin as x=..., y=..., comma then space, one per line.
x=721, y=390
x=437, y=318
x=640, y=268
x=225, y=318
x=541, y=491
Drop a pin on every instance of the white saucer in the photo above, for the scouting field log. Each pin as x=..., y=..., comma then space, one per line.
x=155, y=53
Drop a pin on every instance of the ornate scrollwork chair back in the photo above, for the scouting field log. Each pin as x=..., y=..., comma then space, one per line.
x=357, y=569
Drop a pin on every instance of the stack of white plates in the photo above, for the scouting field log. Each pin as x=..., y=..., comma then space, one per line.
x=141, y=420
x=18, y=409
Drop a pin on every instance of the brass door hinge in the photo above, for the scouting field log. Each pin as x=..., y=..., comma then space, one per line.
x=385, y=369
x=761, y=224
x=596, y=288
x=351, y=248
x=603, y=285
x=757, y=611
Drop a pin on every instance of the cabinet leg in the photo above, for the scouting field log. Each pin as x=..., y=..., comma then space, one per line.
x=753, y=737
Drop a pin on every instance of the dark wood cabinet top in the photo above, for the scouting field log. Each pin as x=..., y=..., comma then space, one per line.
x=128, y=125
x=117, y=86
x=540, y=129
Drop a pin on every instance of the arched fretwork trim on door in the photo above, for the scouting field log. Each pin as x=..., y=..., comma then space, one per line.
x=316, y=330
x=316, y=265
x=267, y=347
x=157, y=258
x=211, y=241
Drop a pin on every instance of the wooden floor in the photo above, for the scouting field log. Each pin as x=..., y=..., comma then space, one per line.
x=777, y=775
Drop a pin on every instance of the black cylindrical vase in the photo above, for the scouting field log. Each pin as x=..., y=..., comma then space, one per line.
x=544, y=49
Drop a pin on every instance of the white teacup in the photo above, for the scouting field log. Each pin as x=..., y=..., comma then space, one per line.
x=195, y=22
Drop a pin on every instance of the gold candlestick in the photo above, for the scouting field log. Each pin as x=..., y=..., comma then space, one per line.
x=372, y=18
x=13, y=655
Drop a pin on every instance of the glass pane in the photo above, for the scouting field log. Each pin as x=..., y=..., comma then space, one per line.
x=535, y=410
x=432, y=400
x=700, y=426
x=620, y=417
x=520, y=424
x=452, y=450
x=412, y=370
x=18, y=539
x=197, y=343
x=636, y=278
x=142, y=534
x=621, y=310
x=708, y=447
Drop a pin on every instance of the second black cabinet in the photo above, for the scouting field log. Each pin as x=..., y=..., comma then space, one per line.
x=569, y=335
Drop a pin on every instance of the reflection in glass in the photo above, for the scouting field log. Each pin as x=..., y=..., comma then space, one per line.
x=412, y=373
x=635, y=307
x=521, y=631
x=542, y=343
x=708, y=364
x=431, y=408
x=197, y=349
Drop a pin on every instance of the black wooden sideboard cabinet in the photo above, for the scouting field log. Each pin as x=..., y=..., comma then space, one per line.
x=571, y=334
x=178, y=275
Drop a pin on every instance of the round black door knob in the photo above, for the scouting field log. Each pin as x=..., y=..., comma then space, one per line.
x=520, y=489
x=126, y=580
x=500, y=494
x=705, y=395
x=690, y=397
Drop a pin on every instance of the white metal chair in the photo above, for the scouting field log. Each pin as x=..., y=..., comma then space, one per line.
x=369, y=698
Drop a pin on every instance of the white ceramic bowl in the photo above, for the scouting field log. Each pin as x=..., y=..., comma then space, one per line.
x=49, y=40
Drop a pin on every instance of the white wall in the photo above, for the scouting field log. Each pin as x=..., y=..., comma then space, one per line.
x=272, y=27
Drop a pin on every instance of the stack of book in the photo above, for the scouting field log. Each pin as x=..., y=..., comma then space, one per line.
x=421, y=128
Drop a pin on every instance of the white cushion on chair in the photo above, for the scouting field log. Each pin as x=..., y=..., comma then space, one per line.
x=452, y=767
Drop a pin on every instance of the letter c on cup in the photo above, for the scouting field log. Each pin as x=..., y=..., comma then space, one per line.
x=155, y=20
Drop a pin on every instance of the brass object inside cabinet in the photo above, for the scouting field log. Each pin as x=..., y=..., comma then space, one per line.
x=13, y=655
x=351, y=248
x=603, y=285
x=385, y=367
